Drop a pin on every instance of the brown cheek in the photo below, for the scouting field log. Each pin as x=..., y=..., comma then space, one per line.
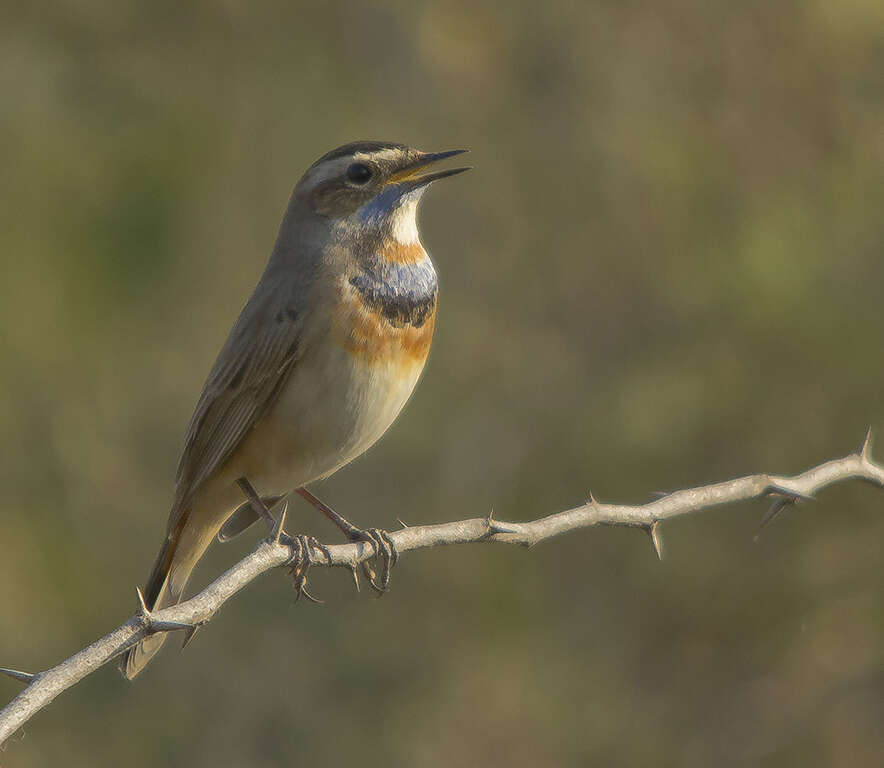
x=333, y=199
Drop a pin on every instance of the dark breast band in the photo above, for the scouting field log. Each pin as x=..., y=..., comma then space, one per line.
x=405, y=294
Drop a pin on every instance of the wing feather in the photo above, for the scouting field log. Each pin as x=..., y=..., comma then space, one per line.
x=251, y=368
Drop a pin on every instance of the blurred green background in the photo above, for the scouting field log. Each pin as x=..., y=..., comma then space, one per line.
x=666, y=270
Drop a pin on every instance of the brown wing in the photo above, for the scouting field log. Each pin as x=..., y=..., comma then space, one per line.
x=244, y=382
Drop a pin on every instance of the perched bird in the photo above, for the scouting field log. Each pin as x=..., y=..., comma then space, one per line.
x=319, y=363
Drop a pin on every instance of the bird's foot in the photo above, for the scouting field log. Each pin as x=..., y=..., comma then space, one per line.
x=303, y=556
x=383, y=548
x=384, y=554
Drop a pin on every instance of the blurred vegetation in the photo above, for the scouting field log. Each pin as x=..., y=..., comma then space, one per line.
x=665, y=270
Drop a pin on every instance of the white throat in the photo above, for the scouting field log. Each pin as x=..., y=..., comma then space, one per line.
x=404, y=229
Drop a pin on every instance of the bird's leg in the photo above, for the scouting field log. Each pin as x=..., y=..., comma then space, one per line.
x=257, y=504
x=380, y=541
x=302, y=546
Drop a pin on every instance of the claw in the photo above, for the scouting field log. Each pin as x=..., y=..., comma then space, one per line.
x=394, y=553
x=370, y=575
x=381, y=543
x=391, y=556
x=383, y=548
x=301, y=561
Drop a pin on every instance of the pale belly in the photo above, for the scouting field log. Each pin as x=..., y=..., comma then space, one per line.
x=335, y=405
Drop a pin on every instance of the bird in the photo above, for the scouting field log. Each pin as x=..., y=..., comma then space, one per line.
x=318, y=365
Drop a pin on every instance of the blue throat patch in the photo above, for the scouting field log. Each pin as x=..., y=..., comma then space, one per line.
x=405, y=294
x=381, y=208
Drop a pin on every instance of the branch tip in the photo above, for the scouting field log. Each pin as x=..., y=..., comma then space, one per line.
x=15, y=674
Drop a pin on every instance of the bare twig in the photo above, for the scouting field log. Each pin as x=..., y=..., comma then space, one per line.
x=42, y=687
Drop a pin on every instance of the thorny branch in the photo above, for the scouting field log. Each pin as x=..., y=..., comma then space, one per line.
x=42, y=687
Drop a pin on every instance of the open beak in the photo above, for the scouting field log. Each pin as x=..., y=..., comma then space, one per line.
x=411, y=175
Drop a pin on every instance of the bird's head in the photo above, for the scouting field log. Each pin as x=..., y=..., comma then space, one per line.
x=372, y=185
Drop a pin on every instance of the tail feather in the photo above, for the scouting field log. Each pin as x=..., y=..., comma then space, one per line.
x=137, y=657
x=161, y=591
x=187, y=540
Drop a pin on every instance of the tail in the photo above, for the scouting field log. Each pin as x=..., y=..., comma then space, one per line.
x=177, y=558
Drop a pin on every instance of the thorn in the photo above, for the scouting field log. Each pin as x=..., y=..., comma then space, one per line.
x=790, y=496
x=656, y=539
x=495, y=527
x=22, y=677
x=591, y=500
x=189, y=633
x=154, y=626
x=354, y=572
x=172, y=626
x=143, y=610
x=865, y=450
x=778, y=506
x=279, y=525
x=402, y=523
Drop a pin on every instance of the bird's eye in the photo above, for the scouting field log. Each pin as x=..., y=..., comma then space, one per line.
x=359, y=173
